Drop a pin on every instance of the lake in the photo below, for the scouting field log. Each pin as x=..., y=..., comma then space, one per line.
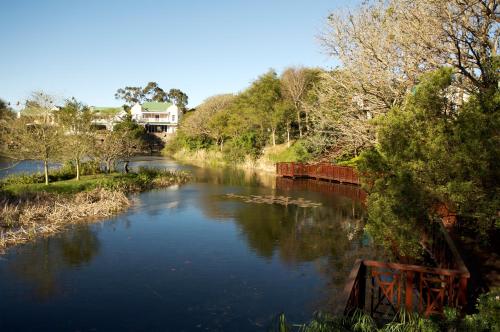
x=203, y=256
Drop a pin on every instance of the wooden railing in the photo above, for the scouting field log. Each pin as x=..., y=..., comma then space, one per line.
x=384, y=288
x=322, y=171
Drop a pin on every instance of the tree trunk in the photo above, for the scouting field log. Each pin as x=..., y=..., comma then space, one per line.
x=108, y=166
x=307, y=121
x=288, y=134
x=273, y=135
x=46, y=171
x=298, y=122
x=77, y=162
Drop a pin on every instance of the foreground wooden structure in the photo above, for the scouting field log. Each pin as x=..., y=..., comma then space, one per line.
x=321, y=171
x=380, y=288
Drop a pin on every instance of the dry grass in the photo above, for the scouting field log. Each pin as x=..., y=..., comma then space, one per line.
x=42, y=214
x=31, y=210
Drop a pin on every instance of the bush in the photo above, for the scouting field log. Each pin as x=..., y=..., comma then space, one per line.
x=237, y=149
x=297, y=152
x=91, y=167
x=20, y=179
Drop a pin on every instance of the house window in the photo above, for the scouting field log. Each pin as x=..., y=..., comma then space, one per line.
x=173, y=118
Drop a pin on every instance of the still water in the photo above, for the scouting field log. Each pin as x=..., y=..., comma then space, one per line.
x=190, y=258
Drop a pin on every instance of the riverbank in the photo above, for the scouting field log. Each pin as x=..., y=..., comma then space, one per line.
x=30, y=210
x=214, y=158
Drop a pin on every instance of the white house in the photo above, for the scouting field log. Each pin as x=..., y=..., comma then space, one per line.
x=107, y=117
x=157, y=117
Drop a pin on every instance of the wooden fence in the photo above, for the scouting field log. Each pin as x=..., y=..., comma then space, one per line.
x=321, y=171
x=384, y=288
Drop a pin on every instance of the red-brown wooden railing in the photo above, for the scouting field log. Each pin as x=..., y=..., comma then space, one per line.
x=384, y=288
x=322, y=171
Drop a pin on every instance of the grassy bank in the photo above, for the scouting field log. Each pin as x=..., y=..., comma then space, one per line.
x=265, y=162
x=29, y=209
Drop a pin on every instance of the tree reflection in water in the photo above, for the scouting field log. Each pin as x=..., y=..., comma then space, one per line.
x=330, y=236
x=43, y=261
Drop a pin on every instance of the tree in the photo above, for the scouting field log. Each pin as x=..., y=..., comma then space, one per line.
x=340, y=127
x=6, y=116
x=296, y=84
x=385, y=46
x=134, y=94
x=35, y=135
x=129, y=138
x=107, y=150
x=209, y=120
x=179, y=98
x=79, y=138
x=5, y=111
x=433, y=150
x=262, y=98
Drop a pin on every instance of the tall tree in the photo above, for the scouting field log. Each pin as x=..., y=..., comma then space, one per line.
x=35, y=135
x=135, y=94
x=294, y=83
x=79, y=139
x=262, y=98
x=386, y=45
x=179, y=98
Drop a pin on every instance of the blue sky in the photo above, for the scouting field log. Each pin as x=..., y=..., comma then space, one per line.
x=90, y=48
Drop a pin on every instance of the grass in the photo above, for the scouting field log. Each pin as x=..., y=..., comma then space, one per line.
x=72, y=186
x=131, y=182
x=29, y=210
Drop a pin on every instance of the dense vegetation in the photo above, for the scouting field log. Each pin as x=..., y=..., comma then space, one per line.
x=271, y=111
x=486, y=319
x=415, y=109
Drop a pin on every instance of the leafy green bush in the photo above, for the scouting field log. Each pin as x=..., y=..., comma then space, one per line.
x=247, y=144
x=16, y=179
x=91, y=167
x=297, y=152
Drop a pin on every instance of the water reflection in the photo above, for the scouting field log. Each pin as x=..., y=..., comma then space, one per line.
x=40, y=268
x=190, y=258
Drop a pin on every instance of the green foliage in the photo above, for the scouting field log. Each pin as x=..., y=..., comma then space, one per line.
x=431, y=151
x=90, y=167
x=485, y=320
x=241, y=126
x=63, y=183
x=488, y=316
x=238, y=148
x=297, y=152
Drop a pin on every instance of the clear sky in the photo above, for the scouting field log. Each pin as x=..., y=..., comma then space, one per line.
x=90, y=48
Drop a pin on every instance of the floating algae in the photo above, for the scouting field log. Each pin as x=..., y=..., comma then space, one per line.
x=270, y=199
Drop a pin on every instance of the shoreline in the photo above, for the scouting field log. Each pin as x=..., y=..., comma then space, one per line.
x=38, y=211
x=207, y=158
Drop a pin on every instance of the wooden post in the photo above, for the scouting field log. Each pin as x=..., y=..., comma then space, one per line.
x=409, y=291
x=362, y=286
x=462, y=291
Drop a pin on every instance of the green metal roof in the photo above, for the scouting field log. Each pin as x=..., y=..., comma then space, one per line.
x=107, y=110
x=154, y=106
